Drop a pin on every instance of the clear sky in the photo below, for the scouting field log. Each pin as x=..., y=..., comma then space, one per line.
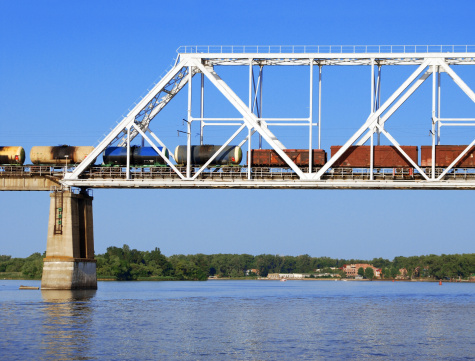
x=70, y=69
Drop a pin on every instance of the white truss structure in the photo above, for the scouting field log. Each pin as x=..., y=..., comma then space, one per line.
x=431, y=61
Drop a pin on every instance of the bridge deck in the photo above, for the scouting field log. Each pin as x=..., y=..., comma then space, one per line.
x=43, y=178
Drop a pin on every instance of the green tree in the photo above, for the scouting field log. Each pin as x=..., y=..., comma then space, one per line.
x=361, y=271
x=33, y=266
x=394, y=272
x=369, y=273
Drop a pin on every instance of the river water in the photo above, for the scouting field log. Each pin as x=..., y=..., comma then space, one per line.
x=240, y=320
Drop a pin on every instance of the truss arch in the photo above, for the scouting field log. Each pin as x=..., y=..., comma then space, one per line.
x=192, y=60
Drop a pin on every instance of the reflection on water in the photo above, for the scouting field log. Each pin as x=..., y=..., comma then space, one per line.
x=249, y=320
x=59, y=296
x=65, y=327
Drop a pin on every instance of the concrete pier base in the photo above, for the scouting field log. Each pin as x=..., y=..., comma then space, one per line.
x=69, y=262
x=68, y=274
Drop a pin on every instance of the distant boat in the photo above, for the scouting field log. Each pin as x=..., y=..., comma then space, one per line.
x=29, y=288
x=283, y=280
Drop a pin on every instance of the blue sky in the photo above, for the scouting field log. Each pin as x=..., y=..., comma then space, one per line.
x=70, y=69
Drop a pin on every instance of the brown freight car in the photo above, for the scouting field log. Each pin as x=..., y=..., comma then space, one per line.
x=446, y=154
x=385, y=156
x=270, y=158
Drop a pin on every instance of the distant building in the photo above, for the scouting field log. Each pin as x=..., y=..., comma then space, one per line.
x=253, y=270
x=402, y=274
x=294, y=276
x=332, y=275
x=351, y=270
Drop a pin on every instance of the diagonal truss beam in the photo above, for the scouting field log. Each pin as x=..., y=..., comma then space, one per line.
x=398, y=104
x=455, y=161
x=159, y=101
x=249, y=118
x=398, y=147
x=372, y=119
x=128, y=121
x=465, y=88
x=161, y=153
x=236, y=133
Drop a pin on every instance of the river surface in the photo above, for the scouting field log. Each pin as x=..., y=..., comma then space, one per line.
x=239, y=320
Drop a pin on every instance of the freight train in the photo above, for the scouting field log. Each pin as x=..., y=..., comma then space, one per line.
x=384, y=156
x=39, y=155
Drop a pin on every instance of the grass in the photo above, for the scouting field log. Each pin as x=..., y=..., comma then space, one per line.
x=15, y=276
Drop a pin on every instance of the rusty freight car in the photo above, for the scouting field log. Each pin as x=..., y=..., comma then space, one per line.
x=446, y=154
x=12, y=155
x=270, y=158
x=385, y=156
x=63, y=154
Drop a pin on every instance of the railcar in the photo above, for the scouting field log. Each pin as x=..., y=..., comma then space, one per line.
x=139, y=156
x=270, y=158
x=59, y=155
x=384, y=156
x=12, y=155
x=200, y=154
x=446, y=154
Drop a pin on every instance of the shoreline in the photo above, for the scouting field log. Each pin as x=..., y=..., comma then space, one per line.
x=260, y=279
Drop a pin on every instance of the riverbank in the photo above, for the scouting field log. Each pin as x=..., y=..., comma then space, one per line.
x=20, y=276
x=15, y=276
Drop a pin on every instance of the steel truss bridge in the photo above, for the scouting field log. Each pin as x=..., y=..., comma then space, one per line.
x=207, y=61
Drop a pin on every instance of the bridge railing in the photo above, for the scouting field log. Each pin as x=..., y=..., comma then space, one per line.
x=324, y=49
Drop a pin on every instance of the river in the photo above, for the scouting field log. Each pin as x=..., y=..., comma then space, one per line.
x=240, y=320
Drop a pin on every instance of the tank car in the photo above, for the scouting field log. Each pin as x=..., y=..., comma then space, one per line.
x=63, y=154
x=446, y=154
x=270, y=158
x=139, y=156
x=12, y=155
x=384, y=156
x=200, y=154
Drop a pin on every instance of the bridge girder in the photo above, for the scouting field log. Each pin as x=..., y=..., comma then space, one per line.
x=138, y=121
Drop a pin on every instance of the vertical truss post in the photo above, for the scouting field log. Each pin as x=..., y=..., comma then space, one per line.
x=438, y=106
x=378, y=99
x=434, y=88
x=249, y=136
x=310, y=121
x=250, y=85
x=128, y=153
x=319, y=106
x=202, y=110
x=188, y=143
x=249, y=150
x=261, y=77
x=371, y=155
x=372, y=85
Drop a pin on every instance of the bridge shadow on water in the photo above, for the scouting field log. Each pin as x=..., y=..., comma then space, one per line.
x=67, y=315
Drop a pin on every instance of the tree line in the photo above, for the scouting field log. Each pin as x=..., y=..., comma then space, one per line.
x=124, y=263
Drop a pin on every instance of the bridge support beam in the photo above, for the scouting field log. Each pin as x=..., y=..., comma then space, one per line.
x=69, y=262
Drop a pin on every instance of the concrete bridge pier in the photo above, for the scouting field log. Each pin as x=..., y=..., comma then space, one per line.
x=69, y=262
